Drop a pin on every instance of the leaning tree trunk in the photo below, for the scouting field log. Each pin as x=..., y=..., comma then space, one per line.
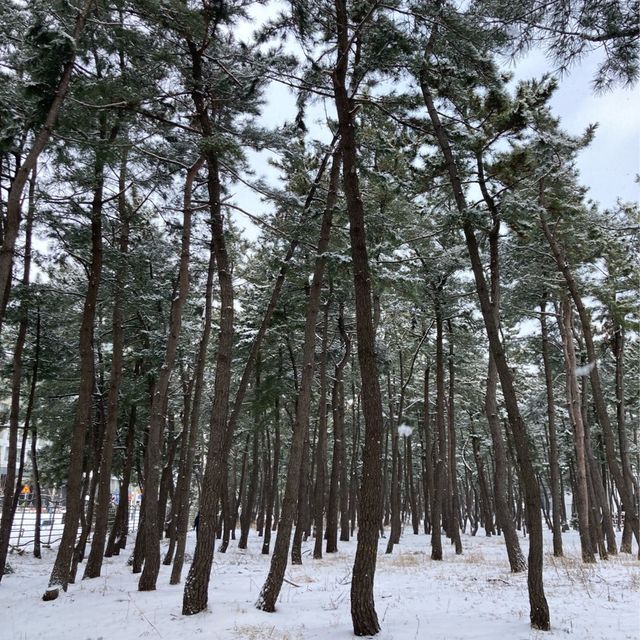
x=16, y=384
x=337, y=487
x=151, y=567
x=273, y=583
x=554, y=467
x=539, y=609
x=363, y=613
x=94, y=562
x=623, y=481
x=504, y=518
x=59, y=578
x=14, y=199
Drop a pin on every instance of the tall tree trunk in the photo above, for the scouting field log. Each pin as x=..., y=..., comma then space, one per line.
x=505, y=522
x=197, y=583
x=16, y=385
x=539, y=609
x=94, y=562
x=623, y=481
x=573, y=400
x=183, y=486
x=151, y=567
x=271, y=588
x=453, y=478
x=14, y=200
x=338, y=496
x=321, y=447
x=394, y=484
x=427, y=457
x=440, y=447
x=554, y=467
x=363, y=613
x=247, y=510
x=120, y=527
x=617, y=346
x=34, y=440
x=273, y=490
x=59, y=578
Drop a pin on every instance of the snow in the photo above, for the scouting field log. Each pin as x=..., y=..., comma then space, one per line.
x=585, y=369
x=405, y=430
x=471, y=596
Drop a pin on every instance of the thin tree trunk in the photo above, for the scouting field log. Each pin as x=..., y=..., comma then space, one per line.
x=183, y=485
x=623, y=481
x=151, y=567
x=273, y=490
x=321, y=447
x=10, y=495
x=338, y=497
x=247, y=510
x=440, y=444
x=453, y=478
x=539, y=609
x=573, y=400
x=120, y=528
x=427, y=455
x=617, y=346
x=34, y=440
x=271, y=588
x=14, y=200
x=59, y=578
x=554, y=467
x=505, y=522
x=94, y=562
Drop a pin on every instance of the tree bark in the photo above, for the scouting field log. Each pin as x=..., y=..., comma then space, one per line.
x=59, y=578
x=453, y=477
x=539, y=609
x=14, y=200
x=271, y=588
x=94, y=562
x=16, y=384
x=623, y=482
x=321, y=447
x=363, y=613
x=152, y=532
x=554, y=467
x=573, y=401
x=338, y=484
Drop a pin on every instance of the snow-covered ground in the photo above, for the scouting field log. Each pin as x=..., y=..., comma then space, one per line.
x=468, y=596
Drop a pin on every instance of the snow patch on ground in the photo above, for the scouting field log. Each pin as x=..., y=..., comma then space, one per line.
x=472, y=596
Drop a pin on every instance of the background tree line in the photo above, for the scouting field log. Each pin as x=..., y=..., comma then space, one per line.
x=435, y=329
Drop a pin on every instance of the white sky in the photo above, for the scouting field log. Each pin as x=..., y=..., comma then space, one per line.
x=609, y=166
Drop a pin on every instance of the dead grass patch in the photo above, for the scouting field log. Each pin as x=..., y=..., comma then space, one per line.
x=405, y=560
x=256, y=632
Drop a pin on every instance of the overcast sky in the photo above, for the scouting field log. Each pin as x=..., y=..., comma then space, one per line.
x=608, y=167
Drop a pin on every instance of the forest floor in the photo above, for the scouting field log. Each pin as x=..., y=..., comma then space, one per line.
x=471, y=596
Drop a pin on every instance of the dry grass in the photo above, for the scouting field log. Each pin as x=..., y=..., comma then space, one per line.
x=474, y=557
x=406, y=560
x=256, y=632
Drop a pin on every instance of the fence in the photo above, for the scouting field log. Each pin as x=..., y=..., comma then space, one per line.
x=52, y=520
